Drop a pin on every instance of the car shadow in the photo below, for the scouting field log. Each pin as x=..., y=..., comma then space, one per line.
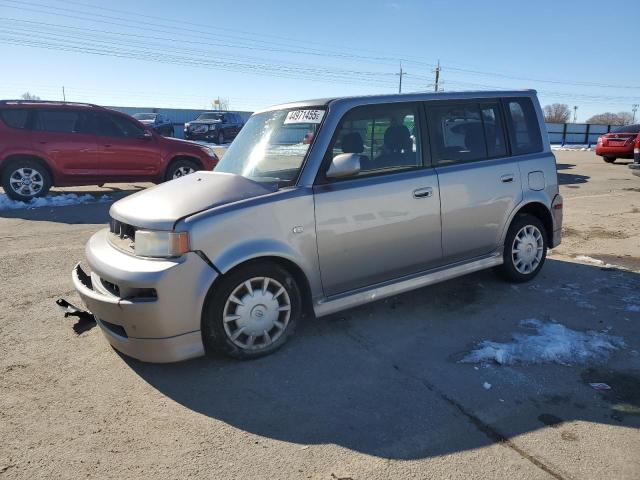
x=569, y=178
x=384, y=379
x=95, y=211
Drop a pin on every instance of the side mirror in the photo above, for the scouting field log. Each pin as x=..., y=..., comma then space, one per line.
x=147, y=135
x=344, y=165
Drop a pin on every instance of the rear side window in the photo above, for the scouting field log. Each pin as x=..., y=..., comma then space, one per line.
x=627, y=129
x=457, y=133
x=15, y=117
x=524, y=131
x=62, y=121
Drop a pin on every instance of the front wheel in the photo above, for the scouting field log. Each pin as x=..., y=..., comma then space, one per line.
x=25, y=180
x=180, y=168
x=525, y=249
x=252, y=311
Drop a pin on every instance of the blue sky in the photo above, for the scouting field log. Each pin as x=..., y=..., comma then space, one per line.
x=256, y=53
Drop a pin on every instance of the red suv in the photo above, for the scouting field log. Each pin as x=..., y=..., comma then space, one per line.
x=620, y=143
x=65, y=144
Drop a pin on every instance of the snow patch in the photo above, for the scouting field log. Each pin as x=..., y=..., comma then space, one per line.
x=550, y=343
x=574, y=148
x=595, y=261
x=61, y=200
x=486, y=386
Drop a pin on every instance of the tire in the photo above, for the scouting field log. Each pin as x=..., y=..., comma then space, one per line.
x=609, y=159
x=25, y=180
x=180, y=168
x=220, y=139
x=257, y=324
x=531, y=237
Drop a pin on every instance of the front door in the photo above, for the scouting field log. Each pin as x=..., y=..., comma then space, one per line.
x=479, y=183
x=125, y=151
x=384, y=222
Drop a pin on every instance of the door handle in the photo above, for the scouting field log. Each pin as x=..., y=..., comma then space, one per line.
x=423, y=192
x=507, y=178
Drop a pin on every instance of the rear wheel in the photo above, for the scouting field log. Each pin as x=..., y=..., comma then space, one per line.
x=252, y=311
x=181, y=167
x=609, y=159
x=525, y=249
x=25, y=180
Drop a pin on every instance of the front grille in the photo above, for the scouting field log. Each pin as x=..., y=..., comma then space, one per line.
x=111, y=287
x=122, y=235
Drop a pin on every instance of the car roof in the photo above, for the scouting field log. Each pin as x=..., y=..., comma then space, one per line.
x=404, y=97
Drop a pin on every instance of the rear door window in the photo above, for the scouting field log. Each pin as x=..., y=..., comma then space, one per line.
x=524, y=131
x=456, y=133
x=15, y=117
x=62, y=121
x=493, y=130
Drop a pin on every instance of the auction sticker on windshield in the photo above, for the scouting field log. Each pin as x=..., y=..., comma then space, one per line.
x=304, y=116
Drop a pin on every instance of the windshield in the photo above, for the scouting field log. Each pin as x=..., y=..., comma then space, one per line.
x=210, y=116
x=627, y=129
x=145, y=116
x=272, y=145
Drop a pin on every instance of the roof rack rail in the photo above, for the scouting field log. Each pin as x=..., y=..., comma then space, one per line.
x=46, y=102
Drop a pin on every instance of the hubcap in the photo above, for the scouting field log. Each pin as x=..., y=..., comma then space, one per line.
x=527, y=249
x=257, y=313
x=26, y=181
x=182, y=171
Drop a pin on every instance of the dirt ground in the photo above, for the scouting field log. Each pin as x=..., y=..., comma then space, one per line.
x=375, y=392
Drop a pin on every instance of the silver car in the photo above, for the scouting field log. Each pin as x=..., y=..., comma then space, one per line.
x=324, y=205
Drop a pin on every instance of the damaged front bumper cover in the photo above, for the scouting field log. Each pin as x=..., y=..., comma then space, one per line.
x=146, y=308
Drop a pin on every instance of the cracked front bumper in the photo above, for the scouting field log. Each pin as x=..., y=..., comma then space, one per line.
x=149, y=309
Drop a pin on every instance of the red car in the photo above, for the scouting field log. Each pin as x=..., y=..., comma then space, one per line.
x=619, y=143
x=45, y=144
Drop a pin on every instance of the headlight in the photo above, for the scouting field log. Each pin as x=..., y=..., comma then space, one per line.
x=161, y=244
x=187, y=125
x=209, y=151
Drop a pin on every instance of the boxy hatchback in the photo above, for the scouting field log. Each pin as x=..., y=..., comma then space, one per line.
x=385, y=195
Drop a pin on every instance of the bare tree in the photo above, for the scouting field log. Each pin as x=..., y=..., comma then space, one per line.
x=609, y=118
x=557, y=113
x=220, y=103
x=29, y=96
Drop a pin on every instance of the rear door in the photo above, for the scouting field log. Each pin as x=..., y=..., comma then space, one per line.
x=125, y=151
x=64, y=136
x=385, y=222
x=479, y=182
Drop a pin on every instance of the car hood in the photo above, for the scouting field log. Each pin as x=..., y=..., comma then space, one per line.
x=160, y=207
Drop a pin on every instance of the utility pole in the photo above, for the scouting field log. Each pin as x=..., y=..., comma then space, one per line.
x=400, y=81
x=634, y=109
x=437, y=82
x=64, y=97
x=575, y=114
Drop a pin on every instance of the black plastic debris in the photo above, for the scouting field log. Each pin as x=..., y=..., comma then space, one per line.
x=86, y=320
